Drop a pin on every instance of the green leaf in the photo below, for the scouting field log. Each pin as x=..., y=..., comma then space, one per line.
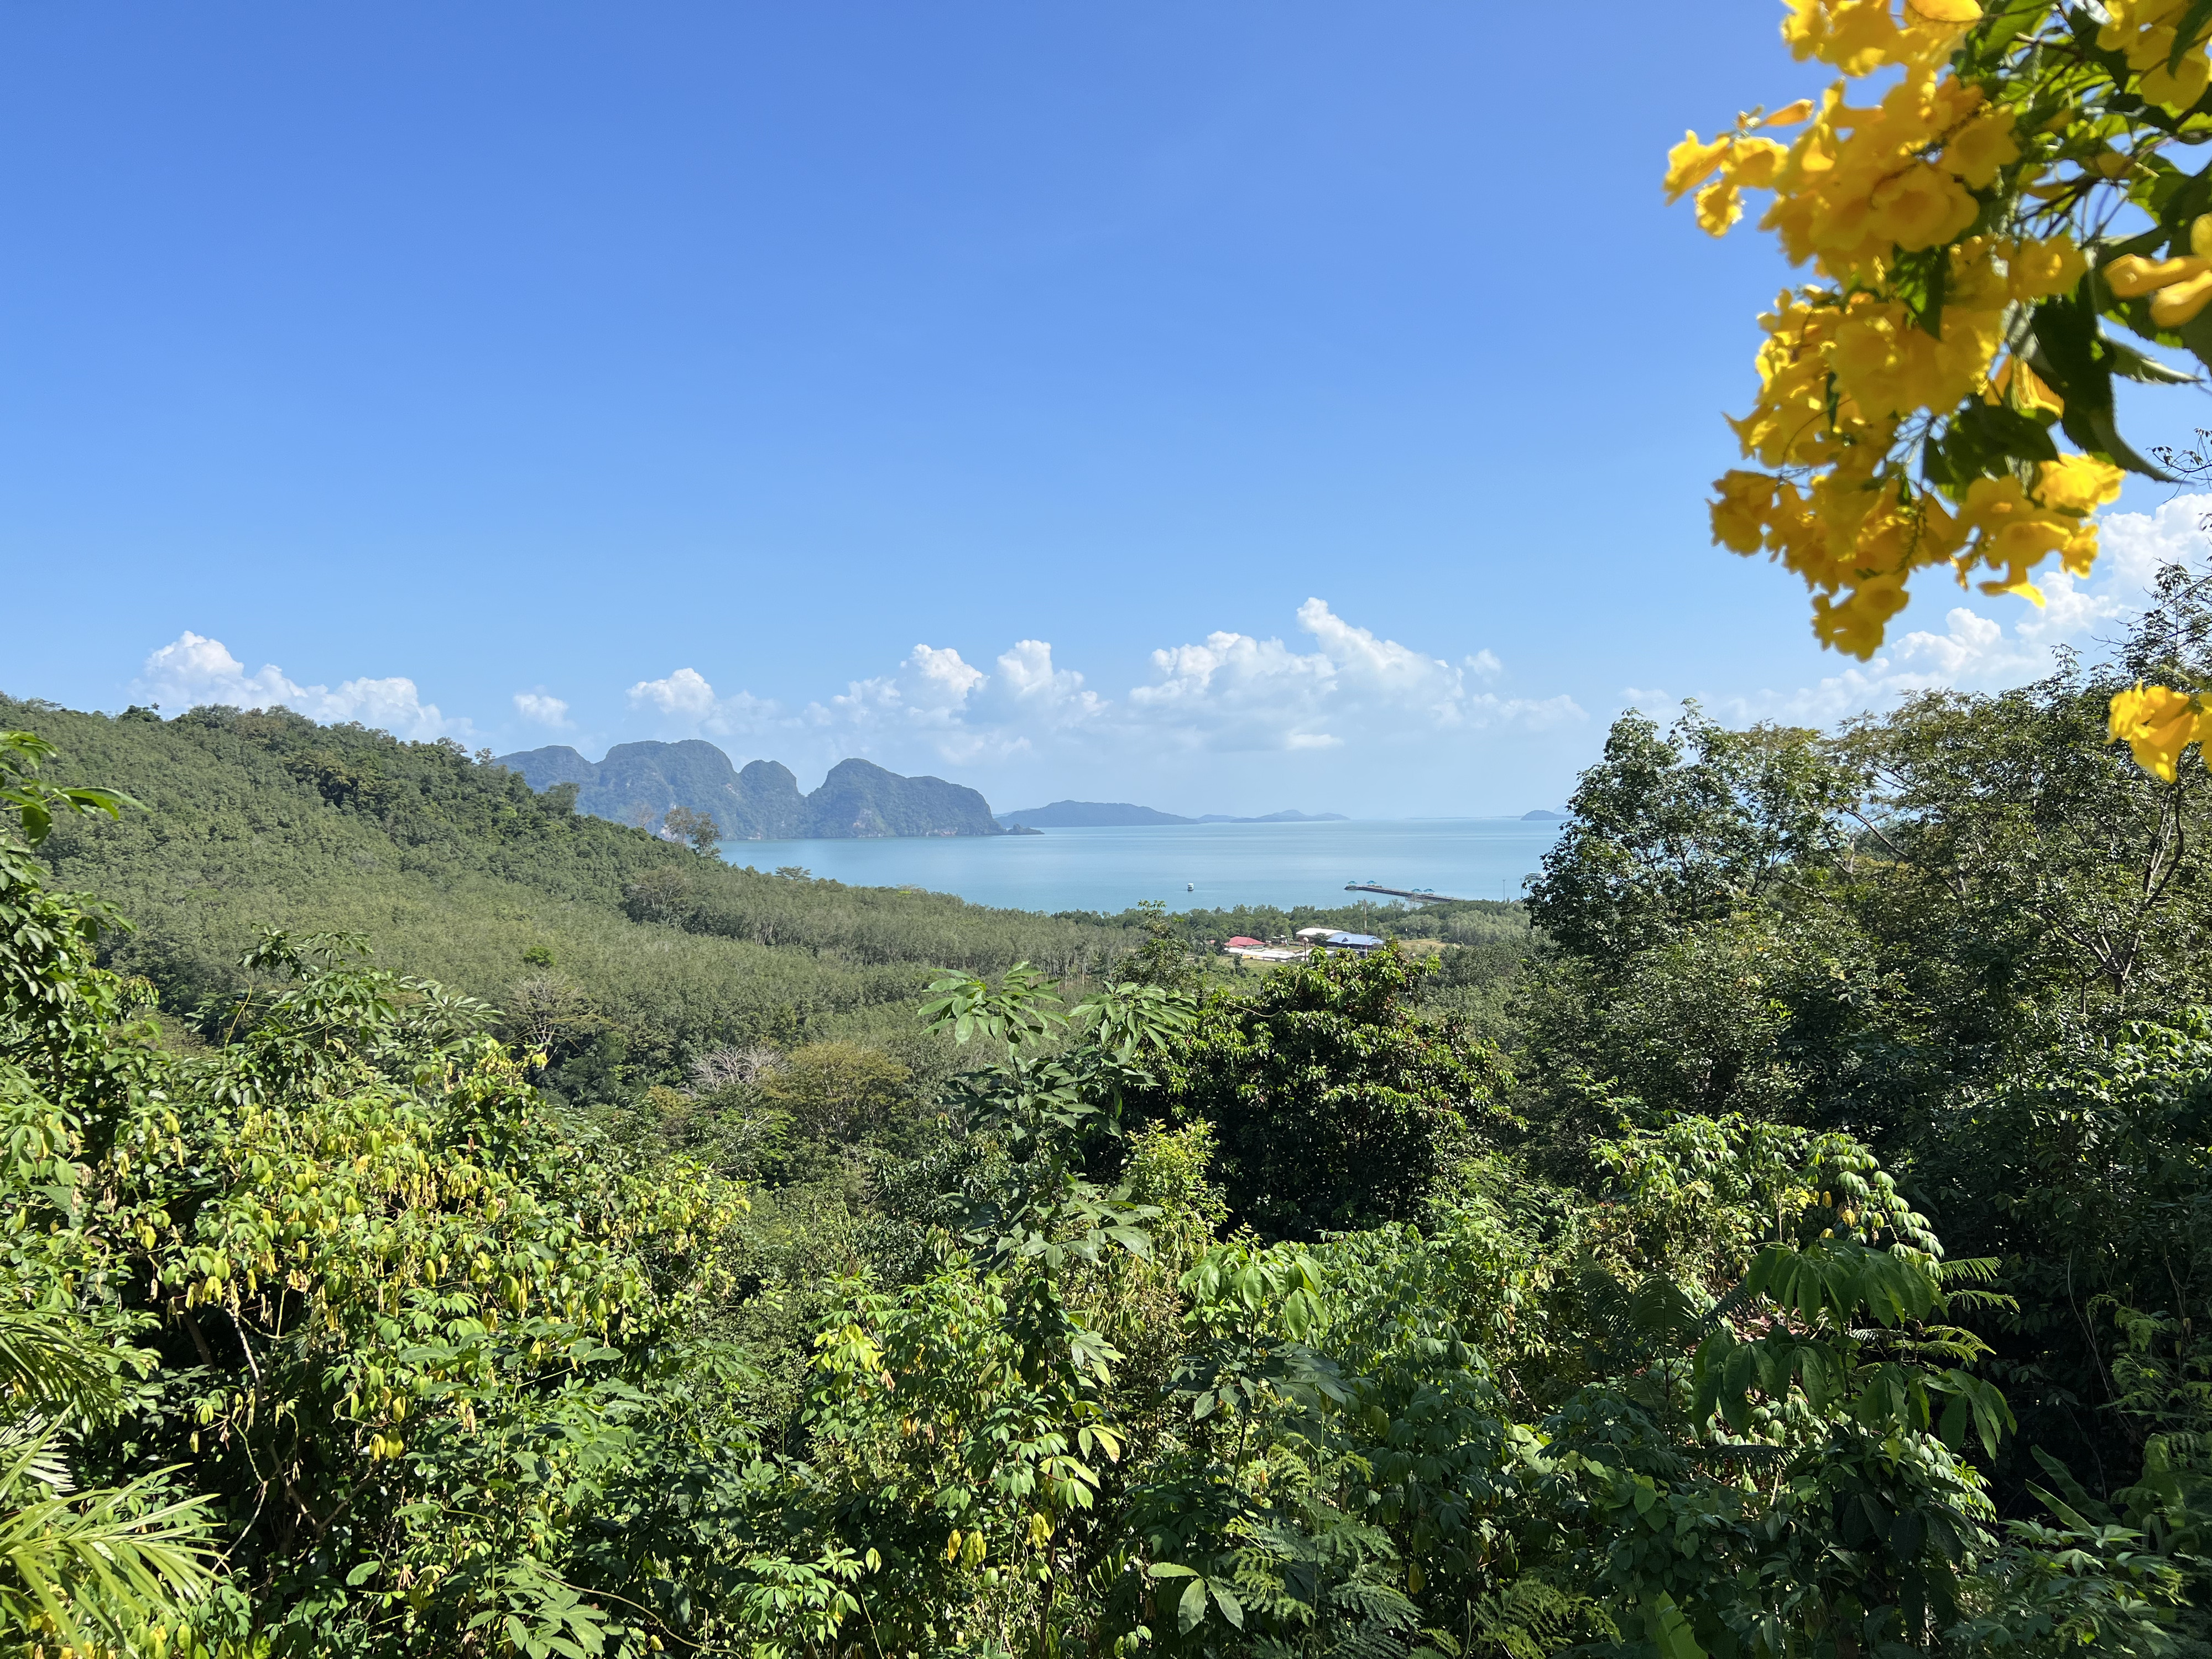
x=2196, y=335
x=1192, y=1608
x=1669, y=1632
x=2132, y=365
x=362, y=1574
x=1232, y=1608
x=1997, y=431
x=2110, y=441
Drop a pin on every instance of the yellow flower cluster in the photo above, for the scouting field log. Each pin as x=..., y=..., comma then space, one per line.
x=1861, y=538
x=1860, y=36
x=1860, y=182
x=1851, y=375
x=2146, y=32
x=1839, y=374
x=2158, y=723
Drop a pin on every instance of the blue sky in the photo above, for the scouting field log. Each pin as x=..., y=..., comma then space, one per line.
x=1224, y=407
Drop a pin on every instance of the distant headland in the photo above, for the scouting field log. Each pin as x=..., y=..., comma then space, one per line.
x=1101, y=815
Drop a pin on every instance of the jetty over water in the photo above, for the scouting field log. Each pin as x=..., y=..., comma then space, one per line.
x=1418, y=896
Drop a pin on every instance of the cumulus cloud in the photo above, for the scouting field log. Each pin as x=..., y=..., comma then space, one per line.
x=194, y=669
x=540, y=709
x=1231, y=693
x=1235, y=692
x=684, y=693
x=686, y=704
x=1980, y=652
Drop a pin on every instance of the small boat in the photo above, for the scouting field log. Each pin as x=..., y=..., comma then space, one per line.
x=1190, y=887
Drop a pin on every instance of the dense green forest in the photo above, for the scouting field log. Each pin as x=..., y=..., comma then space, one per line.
x=1787, y=1235
x=629, y=959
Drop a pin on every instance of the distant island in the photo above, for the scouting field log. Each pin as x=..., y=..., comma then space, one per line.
x=638, y=783
x=1539, y=815
x=1115, y=815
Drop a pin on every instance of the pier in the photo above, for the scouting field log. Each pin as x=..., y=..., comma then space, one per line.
x=1400, y=892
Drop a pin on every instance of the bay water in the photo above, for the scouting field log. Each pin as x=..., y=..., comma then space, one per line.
x=1192, y=866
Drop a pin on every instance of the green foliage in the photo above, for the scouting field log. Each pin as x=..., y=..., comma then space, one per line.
x=1667, y=832
x=1127, y=1305
x=1336, y=1104
x=454, y=867
x=698, y=830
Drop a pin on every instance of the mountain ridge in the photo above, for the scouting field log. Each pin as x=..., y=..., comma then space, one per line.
x=638, y=783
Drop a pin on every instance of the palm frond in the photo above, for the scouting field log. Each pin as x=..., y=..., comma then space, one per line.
x=101, y=1564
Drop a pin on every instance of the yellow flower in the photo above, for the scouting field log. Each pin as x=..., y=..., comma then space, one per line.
x=1855, y=625
x=2013, y=532
x=1754, y=162
x=2079, y=553
x=1856, y=36
x=1740, y=515
x=2078, y=484
x=1690, y=162
x=1920, y=207
x=2132, y=276
x=2143, y=29
x=2048, y=266
x=1945, y=11
x=1718, y=207
x=2171, y=306
x=2017, y=383
x=2157, y=723
x=1789, y=114
x=1886, y=366
x=1982, y=148
x=2179, y=87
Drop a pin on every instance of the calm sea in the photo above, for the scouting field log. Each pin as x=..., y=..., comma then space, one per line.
x=1199, y=866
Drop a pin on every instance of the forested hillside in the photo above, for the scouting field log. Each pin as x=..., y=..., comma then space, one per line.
x=453, y=867
x=1798, y=1242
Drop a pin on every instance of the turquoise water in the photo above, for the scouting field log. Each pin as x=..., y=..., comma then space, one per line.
x=1198, y=866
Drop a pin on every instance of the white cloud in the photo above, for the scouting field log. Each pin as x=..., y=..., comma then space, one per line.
x=687, y=704
x=940, y=679
x=1238, y=692
x=194, y=669
x=1979, y=652
x=540, y=709
x=2136, y=545
x=1055, y=696
x=1232, y=693
x=684, y=693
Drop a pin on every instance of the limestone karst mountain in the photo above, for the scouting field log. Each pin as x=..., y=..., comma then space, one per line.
x=638, y=782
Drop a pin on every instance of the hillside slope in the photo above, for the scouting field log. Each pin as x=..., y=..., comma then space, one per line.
x=457, y=871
